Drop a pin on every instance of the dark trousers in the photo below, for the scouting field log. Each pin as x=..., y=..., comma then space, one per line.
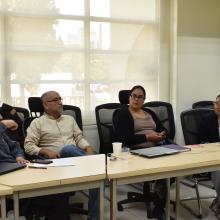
x=53, y=207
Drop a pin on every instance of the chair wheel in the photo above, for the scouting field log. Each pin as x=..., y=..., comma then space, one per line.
x=120, y=207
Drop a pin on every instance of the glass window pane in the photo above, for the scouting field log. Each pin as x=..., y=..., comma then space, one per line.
x=108, y=92
x=46, y=46
x=132, y=66
x=72, y=93
x=1, y=67
x=126, y=9
x=41, y=32
x=116, y=36
x=108, y=66
x=35, y=66
x=66, y=7
x=1, y=5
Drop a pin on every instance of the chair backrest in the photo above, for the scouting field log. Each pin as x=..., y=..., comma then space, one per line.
x=104, y=115
x=22, y=113
x=36, y=110
x=191, y=121
x=203, y=104
x=75, y=112
x=123, y=96
x=35, y=106
x=164, y=112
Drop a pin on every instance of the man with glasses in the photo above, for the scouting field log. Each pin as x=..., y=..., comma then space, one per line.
x=54, y=135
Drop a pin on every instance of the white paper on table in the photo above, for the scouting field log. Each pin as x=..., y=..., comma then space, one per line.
x=60, y=162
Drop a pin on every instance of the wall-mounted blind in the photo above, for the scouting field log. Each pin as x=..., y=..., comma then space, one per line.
x=87, y=50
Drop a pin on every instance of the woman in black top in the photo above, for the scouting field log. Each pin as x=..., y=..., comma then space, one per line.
x=138, y=127
x=212, y=134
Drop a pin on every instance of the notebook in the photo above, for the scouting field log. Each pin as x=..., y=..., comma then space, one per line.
x=152, y=152
x=6, y=167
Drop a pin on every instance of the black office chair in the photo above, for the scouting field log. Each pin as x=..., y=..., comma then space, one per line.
x=35, y=106
x=75, y=112
x=191, y=121
x=203, y=104
x=164, y=112
x=22, y=112
x=104, y=115
x=132, y=197
x=36, y=110
x=204, y=176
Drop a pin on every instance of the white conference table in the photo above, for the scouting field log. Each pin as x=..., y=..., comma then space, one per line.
x=201, y=158
x=88, y=172
x=4, y=191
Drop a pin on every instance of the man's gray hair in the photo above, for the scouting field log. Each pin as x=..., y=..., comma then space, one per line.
x=44, y=96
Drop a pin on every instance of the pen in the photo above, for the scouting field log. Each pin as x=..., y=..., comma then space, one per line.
x=37, y=167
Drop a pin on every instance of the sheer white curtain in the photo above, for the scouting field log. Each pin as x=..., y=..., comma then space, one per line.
x=87, y=50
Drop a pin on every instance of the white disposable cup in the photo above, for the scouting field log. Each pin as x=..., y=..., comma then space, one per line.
x=117, y=147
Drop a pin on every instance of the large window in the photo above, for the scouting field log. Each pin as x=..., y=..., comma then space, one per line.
x=87, y=50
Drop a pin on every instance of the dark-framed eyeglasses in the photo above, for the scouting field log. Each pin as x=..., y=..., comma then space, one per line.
x=139, y=97
x=59, y=99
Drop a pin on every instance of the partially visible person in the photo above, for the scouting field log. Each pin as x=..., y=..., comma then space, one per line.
x=211, y=135
x=54, y=135
x=10, y=151
x=9, y=112
x=135, y=127
x=212, y=123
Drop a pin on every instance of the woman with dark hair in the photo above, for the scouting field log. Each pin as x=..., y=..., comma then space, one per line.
x=212, y=134
x=137, y=127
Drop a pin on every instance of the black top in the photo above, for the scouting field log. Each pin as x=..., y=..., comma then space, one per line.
x=124, y=127
x=211, y=128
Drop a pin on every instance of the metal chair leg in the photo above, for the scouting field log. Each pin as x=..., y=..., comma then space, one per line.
x=197, y=198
